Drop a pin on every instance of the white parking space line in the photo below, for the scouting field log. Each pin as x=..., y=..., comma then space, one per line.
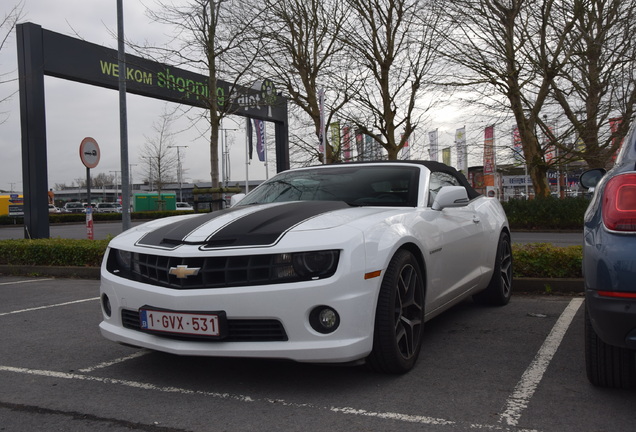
x=25, y=281
x=407, y=418
x=116, y=361
x=531, y=378
x=48, y=306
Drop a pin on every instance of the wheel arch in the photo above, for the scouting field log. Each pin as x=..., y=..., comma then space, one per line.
x=419, y=256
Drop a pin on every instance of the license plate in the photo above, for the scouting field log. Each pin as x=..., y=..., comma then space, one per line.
x=198, y=324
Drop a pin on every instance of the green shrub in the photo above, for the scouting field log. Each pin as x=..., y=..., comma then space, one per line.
x=52, y=252
x=97, y=217
x=542, y=260
x=546, y=214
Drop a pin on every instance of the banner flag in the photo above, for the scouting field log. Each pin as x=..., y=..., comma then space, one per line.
x=347, y=153
x=462, y=149
x=446, y=155
x=406, y=150
x=489, y=156
x=250, y=140
x=335, y=136
x=615, y=123
x=433, y=150
x=259, y=125
x=517, y=147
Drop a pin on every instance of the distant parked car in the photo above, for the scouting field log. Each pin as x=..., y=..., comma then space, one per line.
x=53, y=209
x=184, y=206
x=609, y=269
x=107, y=208
x=74, y=207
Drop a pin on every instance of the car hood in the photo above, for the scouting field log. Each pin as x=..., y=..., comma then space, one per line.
x=250, y=226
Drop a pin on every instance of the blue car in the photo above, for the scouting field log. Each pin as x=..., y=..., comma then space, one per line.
x=609, y=269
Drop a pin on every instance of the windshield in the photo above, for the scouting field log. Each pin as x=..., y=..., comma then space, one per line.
x=356, y=185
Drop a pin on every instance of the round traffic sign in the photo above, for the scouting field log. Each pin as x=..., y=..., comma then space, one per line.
x=89, y=152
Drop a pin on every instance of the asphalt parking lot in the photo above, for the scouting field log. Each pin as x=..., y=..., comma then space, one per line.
x=516, y=368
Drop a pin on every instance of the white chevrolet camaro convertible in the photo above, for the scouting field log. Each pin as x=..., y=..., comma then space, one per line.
x=336, y=263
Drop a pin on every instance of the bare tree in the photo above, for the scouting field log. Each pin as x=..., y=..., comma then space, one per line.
x=562, y=69
x=393, y=43
x=304, y=53
x=7, y=25
x=158, y=156
x=492, y=52
x=596, y=90
x=206, y=38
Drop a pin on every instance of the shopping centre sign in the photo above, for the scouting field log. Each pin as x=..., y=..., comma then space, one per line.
x=42, y=52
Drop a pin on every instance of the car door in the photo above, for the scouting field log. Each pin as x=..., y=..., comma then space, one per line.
x=455, y=263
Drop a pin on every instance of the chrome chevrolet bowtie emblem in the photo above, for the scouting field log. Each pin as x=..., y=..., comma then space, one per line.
x=183, y=271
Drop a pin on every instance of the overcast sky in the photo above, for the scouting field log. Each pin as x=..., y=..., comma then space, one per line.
x=75, y=111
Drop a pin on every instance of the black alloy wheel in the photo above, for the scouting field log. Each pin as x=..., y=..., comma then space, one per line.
x=499, y=290
x=399, y=317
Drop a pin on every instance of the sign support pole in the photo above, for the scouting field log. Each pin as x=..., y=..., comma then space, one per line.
x=89, y=208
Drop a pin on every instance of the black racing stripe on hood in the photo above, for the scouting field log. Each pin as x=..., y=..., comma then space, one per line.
x=174, y=234
x=265, y=227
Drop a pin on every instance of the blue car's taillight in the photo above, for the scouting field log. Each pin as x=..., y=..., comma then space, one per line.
x=619, y=203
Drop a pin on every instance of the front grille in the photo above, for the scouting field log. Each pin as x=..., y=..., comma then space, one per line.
x=239, y=330
x=211, y=272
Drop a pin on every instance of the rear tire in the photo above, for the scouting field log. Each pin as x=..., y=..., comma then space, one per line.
x=399, y=317
x=499, y=290
x=607, y=365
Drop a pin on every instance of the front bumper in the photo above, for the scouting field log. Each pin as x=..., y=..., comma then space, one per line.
x=353, y=297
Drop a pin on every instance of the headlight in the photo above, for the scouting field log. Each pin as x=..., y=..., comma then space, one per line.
x=306, y=265
x=121, y=262
x=124, y=259
x=315, y=264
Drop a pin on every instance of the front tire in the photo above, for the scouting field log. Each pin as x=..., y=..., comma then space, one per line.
x=499, y=289
x=399, y=317
x=607, y=365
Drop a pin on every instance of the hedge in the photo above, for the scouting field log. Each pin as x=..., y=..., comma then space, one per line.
x=52, y=252
x=97, y=217
x=546, y=214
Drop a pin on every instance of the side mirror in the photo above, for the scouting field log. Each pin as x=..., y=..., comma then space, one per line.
x=590, y=178
x=450, y=196
x=234, y=200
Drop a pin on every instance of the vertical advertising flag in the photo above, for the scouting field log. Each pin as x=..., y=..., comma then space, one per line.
x=259, y=125
x=250, y=140
x=446, y=155
x=335, y=136
x=347, y=153
x=462, y=150
x=549, y=148
x=517, y=147
x=433, y=150
x=614, y=125
x=489, y=156
x=360, y=145
x=322, y=147
x=369, y=149
x=406, y=150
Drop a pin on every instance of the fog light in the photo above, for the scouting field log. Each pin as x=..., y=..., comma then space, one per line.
x=106, y=305
x=324, y=319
